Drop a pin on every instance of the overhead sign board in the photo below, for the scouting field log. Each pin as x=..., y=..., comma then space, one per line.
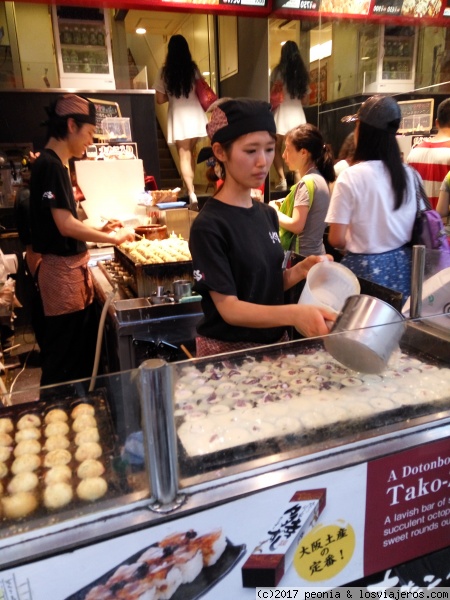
x=401, y=10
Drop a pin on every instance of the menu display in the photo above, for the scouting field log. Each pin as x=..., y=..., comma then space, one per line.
x=423, y=8
x=417, y=115
x=244, y=2
x=387, y=7
x=381, y=8
x=350, y=7
x=220, y=4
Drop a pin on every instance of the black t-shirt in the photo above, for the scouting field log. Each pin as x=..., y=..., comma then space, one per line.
x=237, y=251
x=22, y=215
x=50, y=187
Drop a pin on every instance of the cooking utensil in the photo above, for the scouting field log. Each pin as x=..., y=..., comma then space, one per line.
x=186, y=351
x=365, y=334
x=152, y=232
x=182, y=288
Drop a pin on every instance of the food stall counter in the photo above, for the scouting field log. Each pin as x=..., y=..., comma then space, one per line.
x=260, y=433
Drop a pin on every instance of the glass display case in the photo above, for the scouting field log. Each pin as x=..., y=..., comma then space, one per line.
x=164, y=431
x=83, y=48
x=387, y=57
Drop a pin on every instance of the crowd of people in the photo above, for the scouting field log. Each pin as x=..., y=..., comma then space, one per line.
x=238, y=245
x=366, y=200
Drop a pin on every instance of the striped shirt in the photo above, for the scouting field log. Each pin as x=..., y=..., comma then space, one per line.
x=432, y=161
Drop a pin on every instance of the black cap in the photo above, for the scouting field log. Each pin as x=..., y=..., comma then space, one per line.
x=381, y=112
x=233, y=118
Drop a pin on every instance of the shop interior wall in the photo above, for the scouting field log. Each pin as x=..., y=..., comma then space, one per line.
x=120, y=54
x=252, y=78
x=23, y=111
x=35, y=39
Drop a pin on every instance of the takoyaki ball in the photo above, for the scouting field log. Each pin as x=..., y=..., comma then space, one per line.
x=5, y=439
x=28, y=420
x=57, y=495
x=3, y=470
x=26, y=462
x=90, y=468
x=54, y=415
x=19, y=505
x=92, y=488
x=87, y=435
x=30, y=433
x=27, y=447
x=56, y=428
x=83, y=422
x=23, y=482
x=88, y=450
x=60, y=456
x=6, y=425
x=58, y=474
x=82, y=409
x=5, y=453
x=56, y=442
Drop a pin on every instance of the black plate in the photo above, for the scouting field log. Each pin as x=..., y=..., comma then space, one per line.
x=207, y=578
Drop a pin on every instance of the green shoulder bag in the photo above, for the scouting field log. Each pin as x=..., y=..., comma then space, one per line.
x=287, y=207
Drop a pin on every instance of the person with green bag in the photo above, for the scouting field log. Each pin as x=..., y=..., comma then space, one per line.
x=301, y=215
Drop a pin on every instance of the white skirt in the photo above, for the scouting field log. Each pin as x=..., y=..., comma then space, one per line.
x=288, y=115
x=186, y=119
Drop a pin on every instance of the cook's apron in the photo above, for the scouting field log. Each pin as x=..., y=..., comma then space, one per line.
x=65, y=283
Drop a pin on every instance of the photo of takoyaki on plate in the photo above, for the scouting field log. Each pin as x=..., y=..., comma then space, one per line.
x=183, y=566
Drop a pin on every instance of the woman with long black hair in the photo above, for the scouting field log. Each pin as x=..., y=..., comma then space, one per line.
x=292, y=75
x=373, y=204
x=186, y=120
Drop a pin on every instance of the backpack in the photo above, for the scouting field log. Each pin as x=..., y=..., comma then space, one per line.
x=429, y=230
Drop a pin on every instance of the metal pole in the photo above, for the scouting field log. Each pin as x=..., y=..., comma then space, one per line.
x=417, y=274
x=160, y=444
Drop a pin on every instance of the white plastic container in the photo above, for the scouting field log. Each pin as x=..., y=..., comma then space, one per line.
x=328, y=285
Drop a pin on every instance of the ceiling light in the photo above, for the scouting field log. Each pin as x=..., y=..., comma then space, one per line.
x=141, y=30
x=206, y=73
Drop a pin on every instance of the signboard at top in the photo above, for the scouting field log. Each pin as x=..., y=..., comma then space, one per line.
x=402, y=9
x=215, y=5
x=231, y=7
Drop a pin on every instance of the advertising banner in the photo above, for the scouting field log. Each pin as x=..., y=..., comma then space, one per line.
x=321, y=532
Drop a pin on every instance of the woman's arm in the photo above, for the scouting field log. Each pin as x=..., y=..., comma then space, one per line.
x=443, y=204
x=161, y=98
x=296, y=223
x=309, y=320
x=69, y=226
x=336, y=235
x=299, y=271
